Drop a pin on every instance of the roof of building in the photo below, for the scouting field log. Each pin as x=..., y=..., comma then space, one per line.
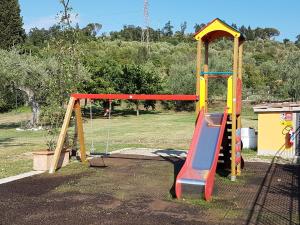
x=277, y=107
x=217, y=29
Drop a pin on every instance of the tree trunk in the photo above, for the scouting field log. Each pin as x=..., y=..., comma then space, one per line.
x=35, y=106
x=137, y=108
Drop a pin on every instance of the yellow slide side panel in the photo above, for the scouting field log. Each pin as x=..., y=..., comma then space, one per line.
x=229, y=94
x=202, y=92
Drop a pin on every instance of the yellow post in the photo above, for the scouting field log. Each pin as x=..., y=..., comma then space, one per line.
x=202, y=92
x=205, y=69
x=233, y=115
x=62, y=136
x=229, y=95
x=198, y=71
x=239, y=121
x=80, y=131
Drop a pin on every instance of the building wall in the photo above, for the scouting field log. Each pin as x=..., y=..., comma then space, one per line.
x=271, y=136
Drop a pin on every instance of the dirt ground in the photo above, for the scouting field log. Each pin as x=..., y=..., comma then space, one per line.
x=139, y=190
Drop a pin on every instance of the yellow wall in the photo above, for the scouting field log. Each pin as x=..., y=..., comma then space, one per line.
x=270, y=136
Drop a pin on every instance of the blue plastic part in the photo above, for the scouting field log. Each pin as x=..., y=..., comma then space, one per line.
x=206, y=146
x=216, y=73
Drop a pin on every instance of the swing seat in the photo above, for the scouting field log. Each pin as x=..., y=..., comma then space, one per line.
x=100, y=154
x=97, y=162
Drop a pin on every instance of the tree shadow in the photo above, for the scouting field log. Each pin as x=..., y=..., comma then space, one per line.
x=99, y=113
x=13, y=125
x=177, y=165
x=8, y=142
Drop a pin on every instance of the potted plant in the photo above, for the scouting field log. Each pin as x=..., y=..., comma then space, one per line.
x=43, y=159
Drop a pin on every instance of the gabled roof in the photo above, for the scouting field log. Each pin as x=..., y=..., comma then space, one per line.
x=216, y=29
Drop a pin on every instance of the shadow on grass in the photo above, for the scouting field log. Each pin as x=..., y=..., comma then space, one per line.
x=9, y=142
x=177, y=165
x=5, y=126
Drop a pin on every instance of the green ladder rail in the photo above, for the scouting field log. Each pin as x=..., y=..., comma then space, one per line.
x=216, y=73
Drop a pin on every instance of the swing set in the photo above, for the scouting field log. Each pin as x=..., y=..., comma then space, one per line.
x=74, y=103
x=92, y=147
x=216, y=135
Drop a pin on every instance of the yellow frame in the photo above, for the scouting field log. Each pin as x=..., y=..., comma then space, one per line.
x=214, y=30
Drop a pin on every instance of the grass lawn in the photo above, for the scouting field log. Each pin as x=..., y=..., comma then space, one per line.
x=165, y=130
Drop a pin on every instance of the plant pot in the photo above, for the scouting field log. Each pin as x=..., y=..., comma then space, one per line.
x=42, y=159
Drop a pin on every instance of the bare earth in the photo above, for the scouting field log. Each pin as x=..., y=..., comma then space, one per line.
x=139, y=190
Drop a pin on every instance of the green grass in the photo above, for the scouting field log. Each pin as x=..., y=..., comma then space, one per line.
x=164, y=130
x=249, y=118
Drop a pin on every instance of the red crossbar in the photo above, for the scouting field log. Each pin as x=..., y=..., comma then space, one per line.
x=136, y=97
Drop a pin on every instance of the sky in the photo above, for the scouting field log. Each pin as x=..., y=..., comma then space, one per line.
x=113, y=14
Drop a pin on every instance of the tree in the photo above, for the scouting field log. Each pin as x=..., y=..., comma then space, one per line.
x=197, y=26
x=286, y=40
x=38, y=37
x=290, y=69
x=183, y=27
x=11, y=24
x=234, y=26
x=168, y=29
x=92, y=29
x=136, y=80
x=128, y=33
x=297, y=42
x=268, y=33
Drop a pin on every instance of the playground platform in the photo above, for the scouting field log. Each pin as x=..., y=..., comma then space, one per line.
x=136, y=189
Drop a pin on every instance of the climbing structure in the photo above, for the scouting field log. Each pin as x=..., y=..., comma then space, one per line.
x=216, y=135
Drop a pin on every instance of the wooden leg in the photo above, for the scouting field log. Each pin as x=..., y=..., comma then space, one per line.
x=238, y=167
x=62, y=136
x=80, y=131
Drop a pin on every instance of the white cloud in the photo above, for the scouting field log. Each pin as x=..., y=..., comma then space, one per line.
x=46, y=22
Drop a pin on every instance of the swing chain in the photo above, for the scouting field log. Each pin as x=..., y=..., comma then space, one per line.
x=92, y=148
x=108, y=128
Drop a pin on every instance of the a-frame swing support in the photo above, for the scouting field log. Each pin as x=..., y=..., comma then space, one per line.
x=74, y=104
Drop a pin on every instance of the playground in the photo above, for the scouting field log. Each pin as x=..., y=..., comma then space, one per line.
x=104, y=165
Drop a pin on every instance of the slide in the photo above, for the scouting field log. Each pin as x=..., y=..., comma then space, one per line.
x=196, y=178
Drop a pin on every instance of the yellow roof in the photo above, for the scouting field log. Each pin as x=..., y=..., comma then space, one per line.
x=216, y=29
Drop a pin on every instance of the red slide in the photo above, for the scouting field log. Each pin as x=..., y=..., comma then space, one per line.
x=196, y=178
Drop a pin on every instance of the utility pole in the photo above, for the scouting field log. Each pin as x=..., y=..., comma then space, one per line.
x=145, y=29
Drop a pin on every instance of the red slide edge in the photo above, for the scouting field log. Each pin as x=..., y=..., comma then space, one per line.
x=211, y=176
x=190, y=152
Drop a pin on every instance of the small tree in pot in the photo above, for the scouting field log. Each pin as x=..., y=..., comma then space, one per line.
x=52, y=119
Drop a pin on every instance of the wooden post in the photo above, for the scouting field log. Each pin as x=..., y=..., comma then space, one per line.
x=233, y=115
x=239, y=121
x=198, y=71
x=80, y=131
x=205, y=69
x=240, y=63
x=62, y=136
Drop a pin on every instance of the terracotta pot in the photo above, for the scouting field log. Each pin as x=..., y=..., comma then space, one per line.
x=42, y=159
